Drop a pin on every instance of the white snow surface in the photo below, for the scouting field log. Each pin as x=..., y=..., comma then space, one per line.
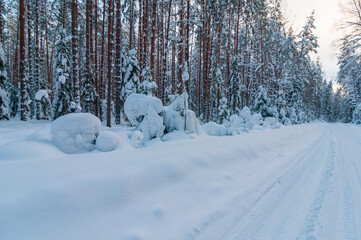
x=108, y=141
x=296, y=182
x=40, y=94
x=75, y=132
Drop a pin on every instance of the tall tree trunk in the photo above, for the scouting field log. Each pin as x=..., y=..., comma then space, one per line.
x=131, y=24
x=23, y=96
x=118, y=64
x=110, y=39
x=181, y=48
x=152, y=44
x=75, y=55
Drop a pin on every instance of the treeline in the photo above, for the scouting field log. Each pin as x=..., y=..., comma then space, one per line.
x=65, y=56
x=349, y=93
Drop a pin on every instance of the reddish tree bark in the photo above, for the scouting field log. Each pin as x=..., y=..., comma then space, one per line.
x=152, y=48
x=22, y=60
x=110, y=47
x=118, y=73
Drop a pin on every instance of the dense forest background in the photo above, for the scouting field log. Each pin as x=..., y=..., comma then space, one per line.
x=62, y=56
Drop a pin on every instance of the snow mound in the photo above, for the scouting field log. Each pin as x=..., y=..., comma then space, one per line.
x=177, y=117
x=213, y=129
x=272, y=123
x=42, y=135
x=76, y=132
x=108, y=141
x=143, y=112
x=27, y=150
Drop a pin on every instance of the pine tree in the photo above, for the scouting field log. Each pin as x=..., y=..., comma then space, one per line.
x=4, y=105
x=63, y=102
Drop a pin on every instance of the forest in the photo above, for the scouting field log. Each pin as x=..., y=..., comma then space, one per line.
x=64, y=56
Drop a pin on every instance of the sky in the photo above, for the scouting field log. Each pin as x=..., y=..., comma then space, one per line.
x=327, y=14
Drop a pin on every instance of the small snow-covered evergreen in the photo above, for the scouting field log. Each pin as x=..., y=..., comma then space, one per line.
x=4, y=104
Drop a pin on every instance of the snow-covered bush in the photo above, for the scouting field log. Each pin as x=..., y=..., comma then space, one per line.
x=213, y=129
x=271, y=122
x=148, y=85
x=246, y=117
x=223, y=113
x=235, y=125
x=107, y=141
x=177, y=117
x=44, y=104
x=257, y=119
x=356, y=117
x=143, y=113
x=292, y=115
x=76, y=132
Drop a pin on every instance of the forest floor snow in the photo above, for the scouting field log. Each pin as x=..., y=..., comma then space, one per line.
x=297, y=182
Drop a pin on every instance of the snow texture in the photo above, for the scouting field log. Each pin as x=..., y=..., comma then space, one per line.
x=40, y=94
x=214, y=129
x=297, y=182
x=143, y=112
x=76, y=132
x=108, y=141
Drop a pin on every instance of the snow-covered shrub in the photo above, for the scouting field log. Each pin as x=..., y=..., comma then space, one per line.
x=213, y=129
x=148, y=85
x=271, y=122
x=177, y=117
x=235, y=125
x=273, y=112
x=292, y=115
x=246, y=117
x=44, y=104
x=143, y=113
x=107, y=141
x=257, y=119
x=356, y=117
x=223, y=114
x=76, y=132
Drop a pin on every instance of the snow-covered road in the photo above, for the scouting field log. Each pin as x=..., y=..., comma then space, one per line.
x=297, y=182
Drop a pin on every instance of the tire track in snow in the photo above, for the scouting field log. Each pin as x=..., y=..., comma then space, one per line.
x=254, y=224
x=313, y=223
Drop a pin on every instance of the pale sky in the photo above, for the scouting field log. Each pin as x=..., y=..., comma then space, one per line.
x=327, y=14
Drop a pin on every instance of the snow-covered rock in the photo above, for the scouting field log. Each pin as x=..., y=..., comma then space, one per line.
x=76, y=132
x=107, y=141
x=213, y=129
x=143, y=112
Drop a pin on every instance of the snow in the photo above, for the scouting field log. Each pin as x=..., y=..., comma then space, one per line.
x=40, y=94
x=62, y=79
x=143, y=112
x=213, y=129
x=108, y=141
x=177, y=117
x=76, y=132
x=296, y=182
